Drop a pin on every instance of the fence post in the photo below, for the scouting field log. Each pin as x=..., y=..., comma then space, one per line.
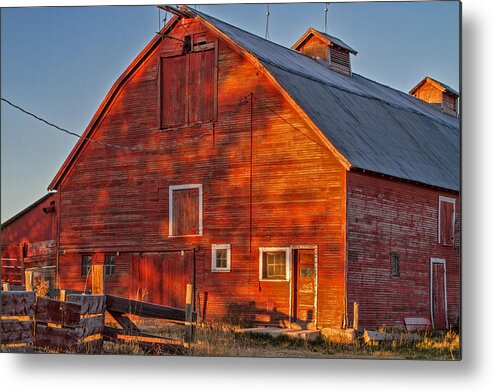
x=63, y=295
x=355, y=316
x=29, y=280
x=189, y=327
x=98, y=279
x=5, y=286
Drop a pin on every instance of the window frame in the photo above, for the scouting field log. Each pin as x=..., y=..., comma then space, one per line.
x=396, y=256
x=111, y=265
x=447, y=200
x=87, y=272
x=170, y=209
x=214, y=249
x=263, y=250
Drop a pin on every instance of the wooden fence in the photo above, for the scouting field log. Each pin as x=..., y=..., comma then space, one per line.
x=76, y=322
x=17, y=310
x=74, y=325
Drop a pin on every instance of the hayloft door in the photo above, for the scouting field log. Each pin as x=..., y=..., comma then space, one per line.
x=304, y=286
x=438, y=294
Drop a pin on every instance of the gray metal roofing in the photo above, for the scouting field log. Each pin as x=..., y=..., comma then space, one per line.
x=338, y=42
x=375, y=127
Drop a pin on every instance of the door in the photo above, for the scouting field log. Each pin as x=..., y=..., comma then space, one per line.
x=304, y=287
x=438, y=294
x=161, y=278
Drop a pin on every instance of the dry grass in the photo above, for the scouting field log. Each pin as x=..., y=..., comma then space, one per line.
x=220, y=340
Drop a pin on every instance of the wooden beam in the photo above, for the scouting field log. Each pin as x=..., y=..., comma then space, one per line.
x=127, y=324
x=355, y=316
x=29, y=280
x=145, y=309
x=97, y=279
x=189, y=325
x=145, y=341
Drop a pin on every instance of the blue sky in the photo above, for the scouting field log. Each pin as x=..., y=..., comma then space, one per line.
x=59, y=62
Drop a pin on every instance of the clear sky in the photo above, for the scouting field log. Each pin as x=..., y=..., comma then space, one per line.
x=60, y=62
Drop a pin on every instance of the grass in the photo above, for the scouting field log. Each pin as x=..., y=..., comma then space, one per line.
x=220, y=340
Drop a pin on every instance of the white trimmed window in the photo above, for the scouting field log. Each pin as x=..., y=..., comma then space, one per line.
x=446, y=220
x=185, y=210
x=274, y=264
x=221, y=257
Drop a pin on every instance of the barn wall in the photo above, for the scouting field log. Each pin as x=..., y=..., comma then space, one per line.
x=33, y=226
x=394, y=216
x=29, y=241
x=117, y=200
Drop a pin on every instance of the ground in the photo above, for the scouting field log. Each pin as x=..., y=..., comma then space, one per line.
x=224, y=341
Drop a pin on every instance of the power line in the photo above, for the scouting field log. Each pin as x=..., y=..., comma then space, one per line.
x=168, y=146
x=137, y=148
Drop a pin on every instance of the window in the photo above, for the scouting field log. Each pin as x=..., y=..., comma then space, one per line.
x=221, y=258
x=86, y=264
x=185, y=210
x=395, y=269
x=274, y=264
x=188, y=84
x=109, y=264
x=446, y=220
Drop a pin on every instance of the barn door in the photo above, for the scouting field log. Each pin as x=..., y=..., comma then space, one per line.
x=161, y=278
x=304, y=286
x=438, y=294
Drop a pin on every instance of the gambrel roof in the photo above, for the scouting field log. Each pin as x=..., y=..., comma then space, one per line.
x=372, y=127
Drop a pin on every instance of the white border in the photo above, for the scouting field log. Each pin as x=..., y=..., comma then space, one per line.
x=215, y=247
x=170, y=208
x=444, y=262
x=288, y=263
x=448, y=200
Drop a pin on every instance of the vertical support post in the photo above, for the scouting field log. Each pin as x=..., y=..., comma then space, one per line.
x=29, y=280
x=5, y=286
x=98, y=279
x=355, y=316
x=63, y=295
x=189, y=327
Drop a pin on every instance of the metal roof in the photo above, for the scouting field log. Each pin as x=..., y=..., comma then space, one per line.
x=338, y=42
x=375, y=127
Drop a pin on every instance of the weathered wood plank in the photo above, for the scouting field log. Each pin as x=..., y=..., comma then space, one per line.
x=90, y=304
x=17, y=303
x=127, y=324
x=92, y=325
x=58, y=312
x=144, y=309
x=147, y=342
x=97, y=279
x=15, y=331
x=60, y=339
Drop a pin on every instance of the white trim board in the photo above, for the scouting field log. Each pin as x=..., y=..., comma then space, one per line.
x=261, y=250
x=214, y=248
x=170, y=208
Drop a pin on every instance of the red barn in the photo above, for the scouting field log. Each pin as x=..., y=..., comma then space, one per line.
x=29, y=240
x=281, y=184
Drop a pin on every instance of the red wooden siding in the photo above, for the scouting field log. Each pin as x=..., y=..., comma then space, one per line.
x=265, y=184
x=446, y=223
x=202, y=85
x=438, y=296
x=390, y=216
x=174, y=91
x=29, y=240
x=186, y=212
